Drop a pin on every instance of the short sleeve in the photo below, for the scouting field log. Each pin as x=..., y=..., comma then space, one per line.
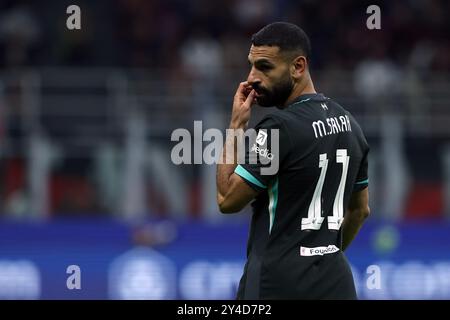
x=362, y=178
x=265, y=153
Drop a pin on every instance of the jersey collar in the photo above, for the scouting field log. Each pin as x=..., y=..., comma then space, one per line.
x=308, y=97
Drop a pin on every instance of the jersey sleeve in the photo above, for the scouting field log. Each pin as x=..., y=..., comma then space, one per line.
x=362, y=178
x=265, y=153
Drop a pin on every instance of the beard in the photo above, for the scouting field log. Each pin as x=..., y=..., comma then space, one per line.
x=276, y=96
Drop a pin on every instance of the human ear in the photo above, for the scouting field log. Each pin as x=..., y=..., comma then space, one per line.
x=298, y=66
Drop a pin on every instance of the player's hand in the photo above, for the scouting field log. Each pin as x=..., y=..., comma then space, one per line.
x=243, y=100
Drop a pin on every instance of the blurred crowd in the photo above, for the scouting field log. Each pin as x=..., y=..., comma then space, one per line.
x=152, y=34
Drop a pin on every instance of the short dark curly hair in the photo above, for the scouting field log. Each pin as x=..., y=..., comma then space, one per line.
x=286, y=36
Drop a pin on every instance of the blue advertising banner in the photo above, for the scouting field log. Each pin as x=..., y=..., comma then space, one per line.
x=100, y=259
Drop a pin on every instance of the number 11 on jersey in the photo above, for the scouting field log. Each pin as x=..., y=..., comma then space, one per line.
x=315, y=219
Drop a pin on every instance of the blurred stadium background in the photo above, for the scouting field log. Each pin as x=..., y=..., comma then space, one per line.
x=86, y=119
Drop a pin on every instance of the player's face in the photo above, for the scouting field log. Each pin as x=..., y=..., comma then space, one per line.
x=269, y=76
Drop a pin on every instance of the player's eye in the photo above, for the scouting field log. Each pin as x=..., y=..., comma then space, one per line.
x=264, y=67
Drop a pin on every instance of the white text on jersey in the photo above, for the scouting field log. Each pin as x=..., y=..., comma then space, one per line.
x=335, y=125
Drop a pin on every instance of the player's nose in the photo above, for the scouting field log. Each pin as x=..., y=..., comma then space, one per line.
x=253, y=77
